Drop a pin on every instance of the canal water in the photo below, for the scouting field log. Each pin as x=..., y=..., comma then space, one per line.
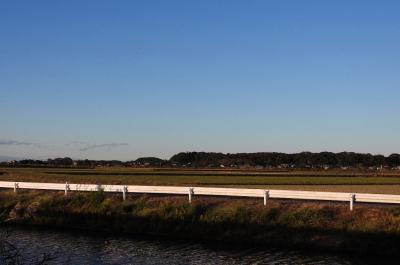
x=84, y=248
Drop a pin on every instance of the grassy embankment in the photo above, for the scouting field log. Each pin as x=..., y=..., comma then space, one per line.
x=329, y=180
x=331, y=227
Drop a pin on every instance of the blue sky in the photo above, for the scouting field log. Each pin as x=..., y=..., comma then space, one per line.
x=123, y=79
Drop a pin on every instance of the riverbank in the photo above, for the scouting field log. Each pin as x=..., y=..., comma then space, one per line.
x=368, y=230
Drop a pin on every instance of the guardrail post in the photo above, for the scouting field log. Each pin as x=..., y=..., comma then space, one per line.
x=66, y=188
x=266, y=196
x=352, y=200
x=15, y=186
x=124, y=191
x=190, y=194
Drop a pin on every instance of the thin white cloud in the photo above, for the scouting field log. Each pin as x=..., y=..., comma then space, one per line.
x=103, y=146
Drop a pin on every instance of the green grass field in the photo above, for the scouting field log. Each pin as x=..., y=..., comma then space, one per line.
x=329, y=180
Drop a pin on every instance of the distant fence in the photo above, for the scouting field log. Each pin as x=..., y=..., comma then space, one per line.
x=228, y=192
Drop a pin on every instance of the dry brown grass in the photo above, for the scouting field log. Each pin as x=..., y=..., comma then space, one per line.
x=330, y=226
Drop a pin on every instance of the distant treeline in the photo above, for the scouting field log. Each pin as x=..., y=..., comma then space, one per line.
x=299, y=160
x=205, y=159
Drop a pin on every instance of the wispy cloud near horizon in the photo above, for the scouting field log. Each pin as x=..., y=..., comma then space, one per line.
x=76, y=143
x=105, y=146
x=16, y=143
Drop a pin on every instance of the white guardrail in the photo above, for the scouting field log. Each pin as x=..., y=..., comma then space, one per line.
x=229, y=192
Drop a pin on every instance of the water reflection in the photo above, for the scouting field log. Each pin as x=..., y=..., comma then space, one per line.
x=78, y=248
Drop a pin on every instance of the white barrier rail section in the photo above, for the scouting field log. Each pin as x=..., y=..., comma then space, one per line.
x=193, y=191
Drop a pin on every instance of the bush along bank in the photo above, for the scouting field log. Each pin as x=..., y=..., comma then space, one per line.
x=330, y=227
